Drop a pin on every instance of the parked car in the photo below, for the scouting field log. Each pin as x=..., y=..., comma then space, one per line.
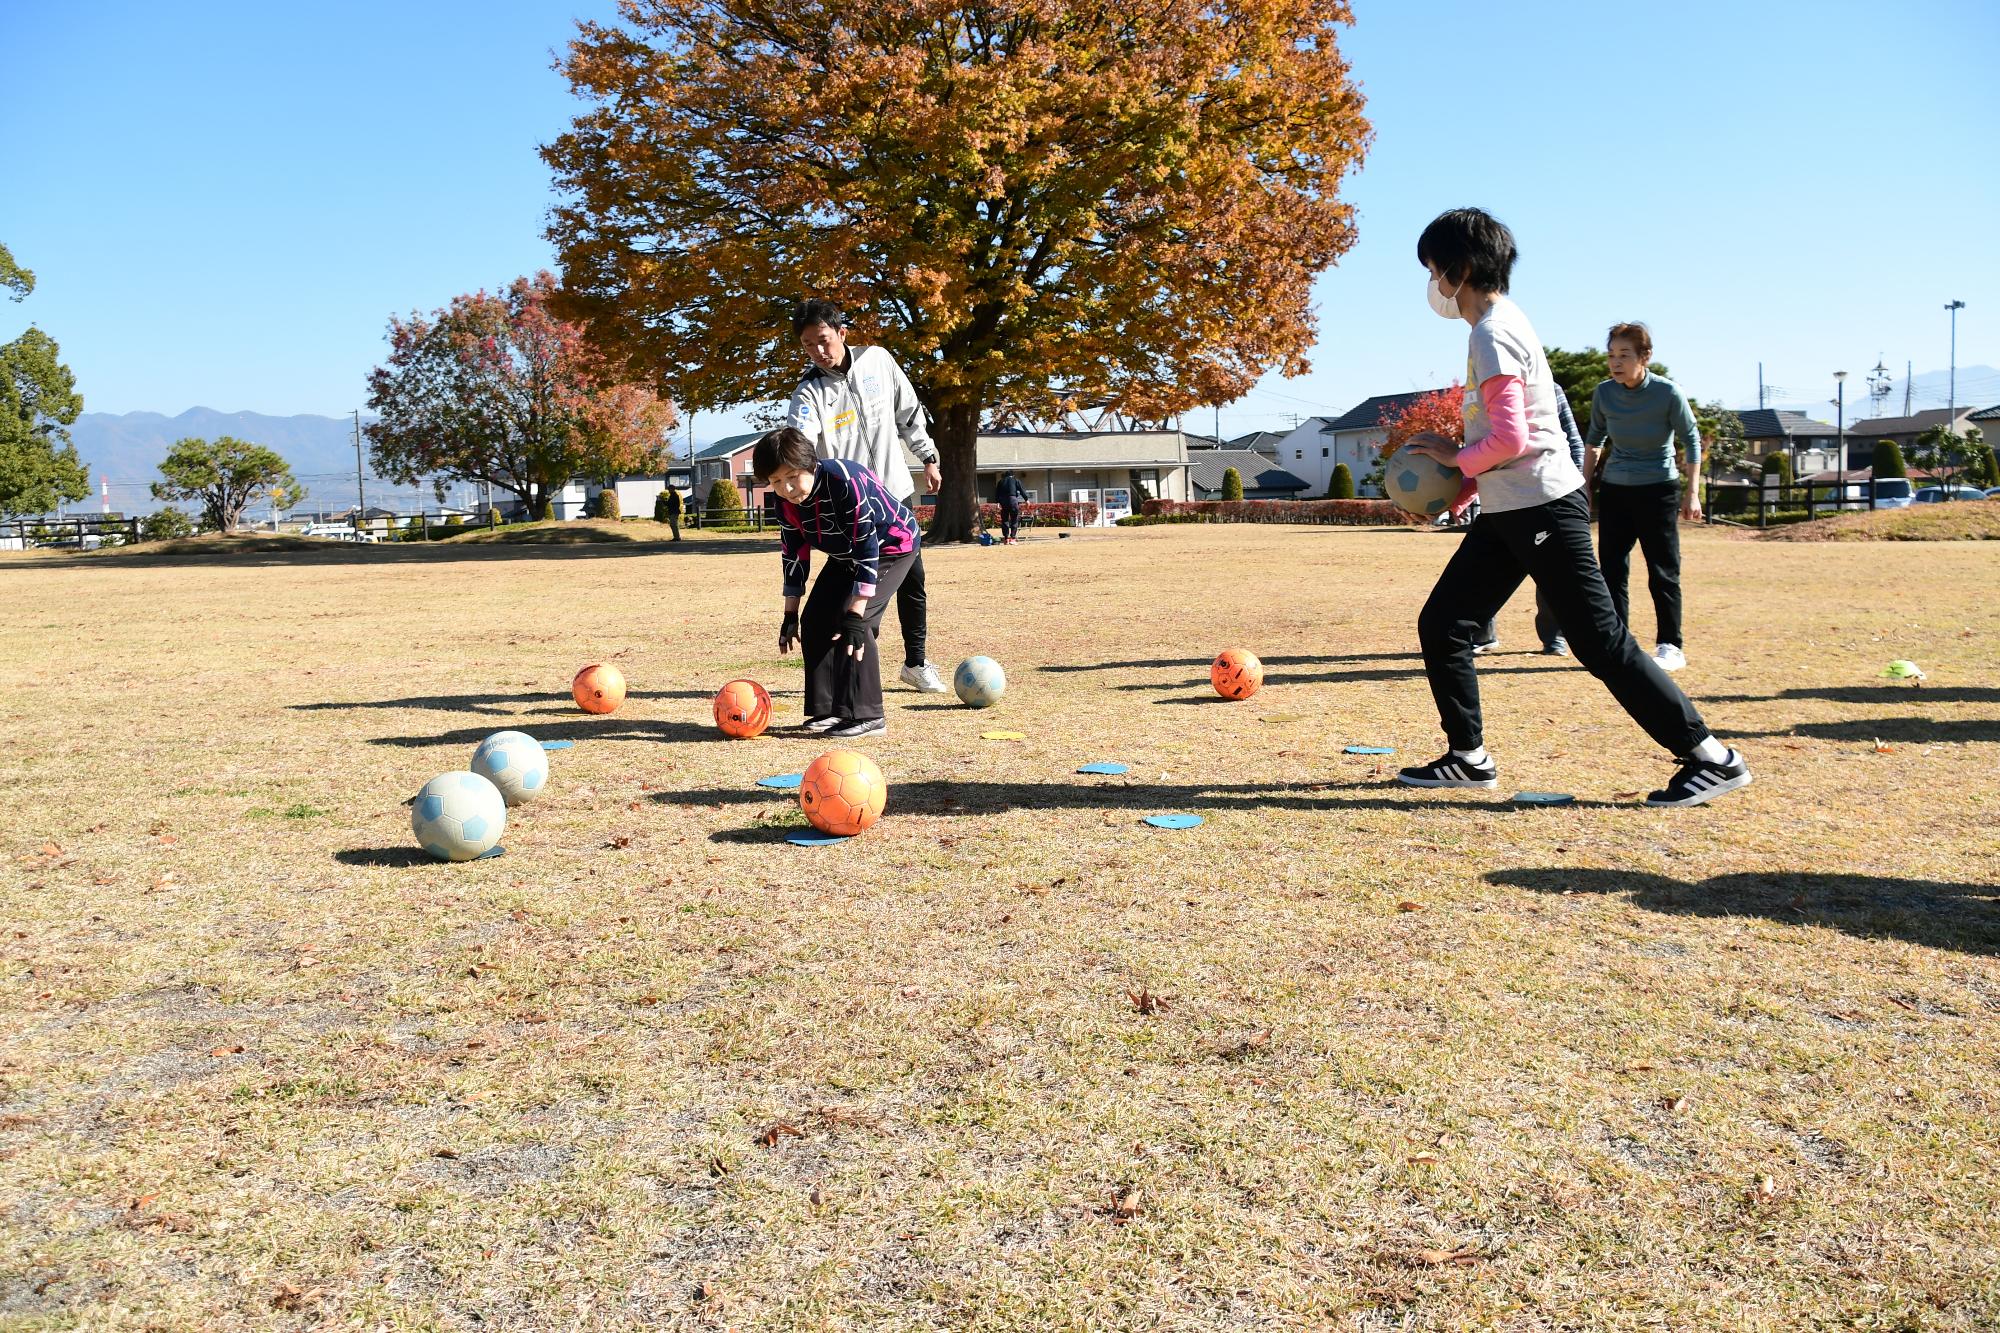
x=1993, y=492
x=1931, y=495
x=1893, y=493
x=339, y=532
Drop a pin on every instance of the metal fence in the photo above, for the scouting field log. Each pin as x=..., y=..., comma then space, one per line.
x=83, y=532
x=1747, y=501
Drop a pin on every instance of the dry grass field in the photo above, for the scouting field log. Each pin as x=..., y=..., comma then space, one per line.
x=1346, y=1056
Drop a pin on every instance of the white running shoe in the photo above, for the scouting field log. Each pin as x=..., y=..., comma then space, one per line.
x=923, y=678
x=1670, y=657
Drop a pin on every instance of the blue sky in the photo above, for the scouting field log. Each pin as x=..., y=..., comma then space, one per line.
x=223, y=203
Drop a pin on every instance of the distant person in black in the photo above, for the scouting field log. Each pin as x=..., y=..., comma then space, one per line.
x=674, y=511
x=1010, y=495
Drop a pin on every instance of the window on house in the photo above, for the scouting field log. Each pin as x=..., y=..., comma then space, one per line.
x=1325, y=452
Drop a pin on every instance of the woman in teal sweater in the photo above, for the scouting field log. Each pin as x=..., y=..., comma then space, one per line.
x=1653, y=447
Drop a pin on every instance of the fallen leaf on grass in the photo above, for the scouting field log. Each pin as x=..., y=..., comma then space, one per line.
x=778, y=1133
x=51, y=850
x=1407, y=906
x=621, y=841
x=449, y=1154
x=1464, y=1258
x=1124, y=1204
x=1146, y=1002
x=13, y=1120
x=1249, y=1046
x=288, y=1297
x=1424, y=1159
x=165, y=839
x=1764, y=1191
x=1628, y=795
x=1673, y=1103
x=228, y=1050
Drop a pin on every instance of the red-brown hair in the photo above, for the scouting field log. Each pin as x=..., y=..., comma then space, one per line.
x=1638, y=335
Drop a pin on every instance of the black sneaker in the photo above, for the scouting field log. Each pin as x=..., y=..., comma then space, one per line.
x=860, y=726
x=1699, y=780
x=818, y=724
x=1451, y=771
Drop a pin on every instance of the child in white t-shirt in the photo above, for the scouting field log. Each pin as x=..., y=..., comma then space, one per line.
x=1534, y=522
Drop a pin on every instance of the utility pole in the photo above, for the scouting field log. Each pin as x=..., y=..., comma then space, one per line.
x=1840, y=430
x=1907, y=386
x=360, y=491
x=1951, y=402
x=1760, y=385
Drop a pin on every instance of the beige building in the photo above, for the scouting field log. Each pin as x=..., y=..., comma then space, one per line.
x=1117, y=471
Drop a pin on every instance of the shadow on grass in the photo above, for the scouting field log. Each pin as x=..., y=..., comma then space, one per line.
x=489, y=703
x=1961, y=917
x=1287, y=660
x=981, y=799
x=609, y=728
x=1907, y=730
x=1871, y=694
x=386, y=856
x=1487, y=667
x=241, y=556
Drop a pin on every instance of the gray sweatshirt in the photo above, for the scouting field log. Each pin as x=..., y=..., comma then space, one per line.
x=865, y=413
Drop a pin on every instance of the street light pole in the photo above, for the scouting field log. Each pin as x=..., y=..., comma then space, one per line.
x=1839, y=438
x=1952, y=412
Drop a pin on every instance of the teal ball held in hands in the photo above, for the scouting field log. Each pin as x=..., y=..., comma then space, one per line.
x=1421, y=485
x=979, y=682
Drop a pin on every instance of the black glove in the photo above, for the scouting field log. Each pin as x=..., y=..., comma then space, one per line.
x=854, y=634
x=788, y=633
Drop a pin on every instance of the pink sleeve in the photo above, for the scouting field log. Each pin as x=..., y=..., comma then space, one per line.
x=1508, y=412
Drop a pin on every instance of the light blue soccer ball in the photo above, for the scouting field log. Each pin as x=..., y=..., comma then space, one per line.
x=458, y=816
x=979, y=682
x=1421, y=485
x=516, y=764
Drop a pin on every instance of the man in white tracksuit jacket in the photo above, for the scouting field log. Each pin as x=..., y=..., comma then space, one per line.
x=855, y=403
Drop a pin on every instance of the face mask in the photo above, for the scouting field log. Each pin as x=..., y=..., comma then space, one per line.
x=1445, y=306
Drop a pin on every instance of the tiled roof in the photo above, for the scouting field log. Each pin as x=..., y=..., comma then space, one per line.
x=1206, y=466
x=1770, y=423
x=1368, y=413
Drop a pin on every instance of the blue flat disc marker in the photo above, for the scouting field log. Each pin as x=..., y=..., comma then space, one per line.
x=815, y=839
x=1543, y=798
x=1110, y=770
x=1370, y=749
x=557, y=745
x=782, y=781
x=1172, y=821
x=490, y=853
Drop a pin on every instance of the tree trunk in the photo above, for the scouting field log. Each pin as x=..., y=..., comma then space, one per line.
x=957, y=516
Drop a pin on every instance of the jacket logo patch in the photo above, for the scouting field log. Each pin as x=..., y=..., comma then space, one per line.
x=844, y=420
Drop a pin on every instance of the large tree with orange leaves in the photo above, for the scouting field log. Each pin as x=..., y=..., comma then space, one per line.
x=496, y=388
x=1030, y=203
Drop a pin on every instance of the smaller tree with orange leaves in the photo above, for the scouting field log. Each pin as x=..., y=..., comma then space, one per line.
x=1439, y=412
x=497, y=389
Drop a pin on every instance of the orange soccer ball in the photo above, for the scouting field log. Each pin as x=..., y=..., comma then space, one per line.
x=1236, y=673
x=742, y=709
x=842, y=792
x=598, y=688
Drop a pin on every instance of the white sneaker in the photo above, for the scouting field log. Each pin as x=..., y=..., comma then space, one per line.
x=923, y=678
x=1670, y=657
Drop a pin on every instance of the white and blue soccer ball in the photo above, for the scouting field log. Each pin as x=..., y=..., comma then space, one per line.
x=979, y=682
x=514, y=762
x=458, y=816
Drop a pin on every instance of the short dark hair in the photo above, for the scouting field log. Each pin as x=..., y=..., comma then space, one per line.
x=788, y=447
x=1635, y=333
x=816, y=311
x=1469, y=245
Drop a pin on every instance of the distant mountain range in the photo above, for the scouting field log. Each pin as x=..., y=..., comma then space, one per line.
x=1977, y=386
